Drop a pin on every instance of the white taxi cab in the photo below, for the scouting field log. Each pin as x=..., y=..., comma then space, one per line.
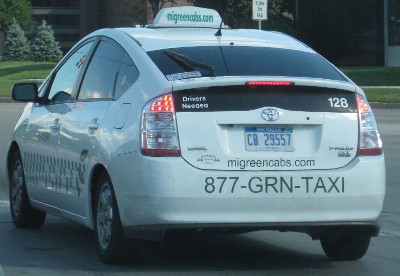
x=188, y=124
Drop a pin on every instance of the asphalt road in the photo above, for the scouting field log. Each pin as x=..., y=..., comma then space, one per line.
x=65, y=248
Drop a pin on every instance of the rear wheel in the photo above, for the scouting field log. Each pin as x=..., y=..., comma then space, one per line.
x=22, y=213
x=346, y=247
x=108, y=227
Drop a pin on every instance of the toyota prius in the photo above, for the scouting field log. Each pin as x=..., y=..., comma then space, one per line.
x=188, y=124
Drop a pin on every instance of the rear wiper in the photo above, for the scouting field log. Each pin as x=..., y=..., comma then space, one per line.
x=189, y=64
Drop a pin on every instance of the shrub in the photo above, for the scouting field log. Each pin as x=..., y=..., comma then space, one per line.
x=16, y=45
x=44, y=45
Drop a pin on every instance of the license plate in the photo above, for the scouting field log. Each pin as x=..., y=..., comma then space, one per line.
x=269, y=138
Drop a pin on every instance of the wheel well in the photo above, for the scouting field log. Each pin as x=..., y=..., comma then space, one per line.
x=13, y=148
x=97, y=172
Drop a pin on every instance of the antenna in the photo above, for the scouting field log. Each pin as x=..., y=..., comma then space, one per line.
x=219, y=33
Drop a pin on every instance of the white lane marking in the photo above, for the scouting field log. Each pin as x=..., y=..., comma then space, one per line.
x=3, y=203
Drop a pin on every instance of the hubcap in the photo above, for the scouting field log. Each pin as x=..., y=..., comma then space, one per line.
x=104, y=216
x=17, y=188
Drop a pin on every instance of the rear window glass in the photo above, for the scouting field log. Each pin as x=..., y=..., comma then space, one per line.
x=187, y=62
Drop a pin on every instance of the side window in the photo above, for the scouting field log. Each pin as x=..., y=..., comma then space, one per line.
x=127, y=75
x=66, y=77
x=100, y=78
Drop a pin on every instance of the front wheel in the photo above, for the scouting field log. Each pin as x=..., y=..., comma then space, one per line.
x=346, y=247
x=108, y=227
x=22, y=213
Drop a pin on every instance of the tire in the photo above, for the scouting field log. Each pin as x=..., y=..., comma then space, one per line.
x=346, y=247
x=108, y=227
x=22, y=213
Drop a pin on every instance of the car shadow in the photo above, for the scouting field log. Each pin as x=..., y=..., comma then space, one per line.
x=63, y=245
x=221, y=252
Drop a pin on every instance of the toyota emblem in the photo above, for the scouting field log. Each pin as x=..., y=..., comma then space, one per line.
x=270, y=114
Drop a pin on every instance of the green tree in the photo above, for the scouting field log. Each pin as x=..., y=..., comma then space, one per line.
x=136, y=14
x=19, y=10
x=16, y=45
x=238, y=13
x=157, y=5
x=44, y=45
x=337, y=28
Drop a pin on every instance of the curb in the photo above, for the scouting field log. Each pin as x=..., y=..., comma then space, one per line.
x=6, y=100
x=385, y=105
x=381, y=87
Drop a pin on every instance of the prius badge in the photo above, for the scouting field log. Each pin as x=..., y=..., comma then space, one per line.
x=270, y=114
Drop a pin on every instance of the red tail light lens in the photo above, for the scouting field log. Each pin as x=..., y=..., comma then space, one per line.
x=269, y=83
x=158, y=127
x=370, y=142
x=164, y=104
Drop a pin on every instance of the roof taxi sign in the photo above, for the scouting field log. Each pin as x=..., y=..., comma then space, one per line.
x=187, y=16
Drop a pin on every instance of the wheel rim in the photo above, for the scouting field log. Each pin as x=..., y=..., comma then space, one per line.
x=17, y=188
x=104, y=216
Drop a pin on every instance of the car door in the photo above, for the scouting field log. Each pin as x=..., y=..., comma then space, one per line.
x=81, y=125
x=42, y=164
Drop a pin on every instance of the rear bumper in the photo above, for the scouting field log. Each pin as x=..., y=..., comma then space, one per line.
x=175, y=195
x=315, y=230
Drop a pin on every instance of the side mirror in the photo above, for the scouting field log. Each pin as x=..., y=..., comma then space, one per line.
x=25, y=92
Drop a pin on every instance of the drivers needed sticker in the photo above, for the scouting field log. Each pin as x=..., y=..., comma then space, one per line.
x=243, y=98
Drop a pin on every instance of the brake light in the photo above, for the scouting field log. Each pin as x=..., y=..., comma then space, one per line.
x=269, y=83
x=158, y=127
x=163, y=104
x=362, y=104
x=370, y=142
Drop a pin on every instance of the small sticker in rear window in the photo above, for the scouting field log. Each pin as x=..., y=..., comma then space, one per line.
x=185, y=75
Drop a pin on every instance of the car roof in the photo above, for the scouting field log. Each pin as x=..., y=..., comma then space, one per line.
x=185, y=27
x=151, y=39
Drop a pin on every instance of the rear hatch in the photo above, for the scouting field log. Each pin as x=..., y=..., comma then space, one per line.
x=226, y=123
x=267, y=126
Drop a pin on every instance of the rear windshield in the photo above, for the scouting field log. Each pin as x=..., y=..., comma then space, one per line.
x=190, y=62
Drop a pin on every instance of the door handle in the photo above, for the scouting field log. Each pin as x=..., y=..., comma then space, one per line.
x=93, y=126
x=55, y=125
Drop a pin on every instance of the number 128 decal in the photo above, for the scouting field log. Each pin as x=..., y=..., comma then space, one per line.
x=338, y=102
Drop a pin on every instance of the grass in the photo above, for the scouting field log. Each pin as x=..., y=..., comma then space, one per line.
x=377, y=76
x=383, y=95
x=20, y=71
x=373, y=76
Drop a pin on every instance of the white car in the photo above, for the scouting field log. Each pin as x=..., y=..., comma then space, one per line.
x=187, y=124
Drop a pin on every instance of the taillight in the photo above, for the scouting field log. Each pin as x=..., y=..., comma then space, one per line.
x=158, y=128
x=269, y=83
x=369, y=140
